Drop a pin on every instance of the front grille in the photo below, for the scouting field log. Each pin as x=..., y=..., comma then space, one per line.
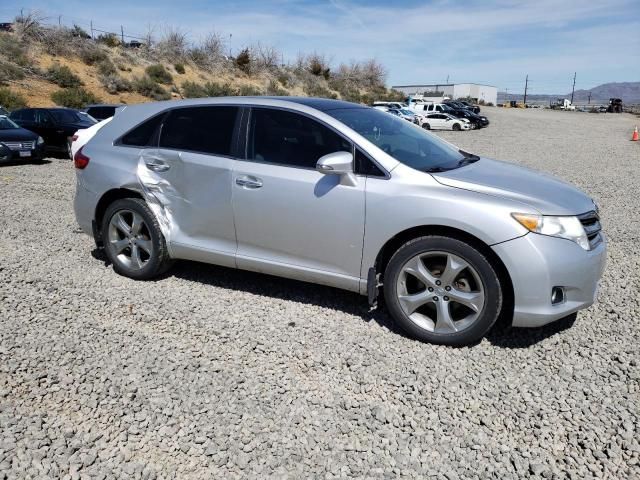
x=591, y=223
x=20, y=145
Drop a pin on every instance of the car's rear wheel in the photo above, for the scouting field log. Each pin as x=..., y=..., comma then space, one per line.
x=426, y=126
x=133, y=240
x=442, y=290
x=69, y=151
x=456, y=127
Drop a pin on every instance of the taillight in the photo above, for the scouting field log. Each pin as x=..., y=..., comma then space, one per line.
x=80, y=160
x=74, y=138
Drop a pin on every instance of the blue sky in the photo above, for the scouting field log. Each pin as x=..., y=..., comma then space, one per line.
x=496, y=42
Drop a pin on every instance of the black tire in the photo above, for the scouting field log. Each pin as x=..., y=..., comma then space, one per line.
x=456, y=127
x=157, y=263
x=69, y=149
x=426, y=126
x=490, y=282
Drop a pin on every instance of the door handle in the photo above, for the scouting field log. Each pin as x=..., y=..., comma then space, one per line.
x=156, y=165
x=247, y=181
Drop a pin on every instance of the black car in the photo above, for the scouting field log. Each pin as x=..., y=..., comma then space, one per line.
x=17, y=143
x=55, y=125
x=479, y=121
x=460, y=104
x=101, y=112
x=3, y=111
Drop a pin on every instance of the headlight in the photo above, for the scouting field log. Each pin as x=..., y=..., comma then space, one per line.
x=562, y=227
x=40, y=140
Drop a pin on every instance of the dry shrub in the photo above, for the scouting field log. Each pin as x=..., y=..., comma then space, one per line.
x=76, y=97
x=114, y=83
x=11, y=100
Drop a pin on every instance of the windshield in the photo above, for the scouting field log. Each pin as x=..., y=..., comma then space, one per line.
x=68, y=116
x=6, y=124
x=407, y=143
x=407, y=112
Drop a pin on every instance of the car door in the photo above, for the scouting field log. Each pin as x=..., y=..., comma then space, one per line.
x=191, y=172
x=52, y=133
x=292, y=220
x=436, y=121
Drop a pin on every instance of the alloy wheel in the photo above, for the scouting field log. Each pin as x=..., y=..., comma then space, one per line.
x=129, y=239
x=440, y=292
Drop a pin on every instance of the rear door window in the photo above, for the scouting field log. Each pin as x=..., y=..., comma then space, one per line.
x=291, y=139
x=143, y=135
x=207, y=129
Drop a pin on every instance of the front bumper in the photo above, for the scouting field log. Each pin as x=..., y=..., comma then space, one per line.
x=23, y=154
x=537, y=263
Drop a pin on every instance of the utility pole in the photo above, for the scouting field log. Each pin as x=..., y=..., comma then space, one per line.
x=59, y=20
x=526, y=85
x=122, y=34
x=91, y=23
x=589, y=98
x=574, y=87
x=507, y=94
x=447, y=79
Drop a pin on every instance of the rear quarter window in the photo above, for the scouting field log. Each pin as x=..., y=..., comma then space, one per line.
x=142, y=135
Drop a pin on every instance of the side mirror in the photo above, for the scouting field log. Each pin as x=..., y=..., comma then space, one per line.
x=338, y=163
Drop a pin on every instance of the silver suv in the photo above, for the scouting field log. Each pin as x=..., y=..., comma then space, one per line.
x=338, y=194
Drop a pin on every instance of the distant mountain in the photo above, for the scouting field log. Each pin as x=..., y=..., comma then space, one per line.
x=629, y=92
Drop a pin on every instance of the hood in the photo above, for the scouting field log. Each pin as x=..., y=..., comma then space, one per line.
x=544, y=193
x=78, y=125
x=17, y=135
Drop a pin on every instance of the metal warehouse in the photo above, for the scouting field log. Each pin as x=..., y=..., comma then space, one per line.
x=487, y=93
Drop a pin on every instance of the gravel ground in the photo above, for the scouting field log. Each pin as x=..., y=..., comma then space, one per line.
x=215, y=373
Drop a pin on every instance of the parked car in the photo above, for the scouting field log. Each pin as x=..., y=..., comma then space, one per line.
x=334, y=193
x=389, y=104
x=477, y=121
x=102, y=111
x=55, y=125
x=473, y=108
x=6, y=27
x=17, y=143
x=82, y=136
x=445, y=121
x=405, y=114
x=3, y=111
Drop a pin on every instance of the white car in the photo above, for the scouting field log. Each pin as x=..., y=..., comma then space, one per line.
x=82, y=136
x=444, y=121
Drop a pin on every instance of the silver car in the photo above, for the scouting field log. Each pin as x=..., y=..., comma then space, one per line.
x=334, y=193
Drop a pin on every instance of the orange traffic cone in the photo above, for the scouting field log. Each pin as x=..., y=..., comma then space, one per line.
x=634, y=137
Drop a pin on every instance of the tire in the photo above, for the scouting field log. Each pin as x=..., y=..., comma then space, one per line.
x=69, y=150
x=426, y=126
x=141, y=252
x=455, y=272
x=456, y=127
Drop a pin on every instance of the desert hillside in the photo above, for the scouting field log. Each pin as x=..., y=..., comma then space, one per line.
x=47, y=66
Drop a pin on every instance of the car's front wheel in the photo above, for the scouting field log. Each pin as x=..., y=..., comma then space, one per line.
x=442, y=290
x=133, y=241
x=426, y=126
x=456, y=127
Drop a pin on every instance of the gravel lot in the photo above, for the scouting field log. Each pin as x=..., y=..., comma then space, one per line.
x=215, y=373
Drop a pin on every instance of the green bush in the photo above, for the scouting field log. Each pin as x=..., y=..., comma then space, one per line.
x=76, y=97
x=110, y=40
x=92, y=55
x=159, y=74
x=13, y=50
x=249, y=90
x=9, y=72
x=193, y=90
x=11, y=100
x=179, y=68
x=114, y=83
x=149, y=88
x=62, y=76
x=106, y=67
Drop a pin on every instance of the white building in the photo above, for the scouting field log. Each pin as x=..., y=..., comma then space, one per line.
x=478, y=92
